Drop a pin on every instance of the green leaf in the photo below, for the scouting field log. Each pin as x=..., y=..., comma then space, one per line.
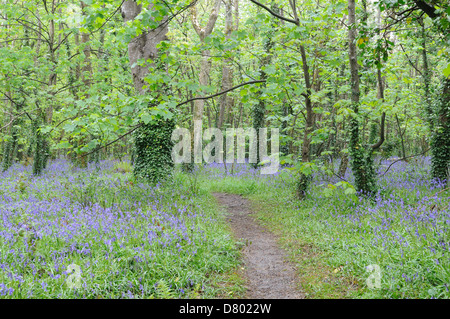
x=46, y=129
x=447, y=71
x=350, y=191
x=327, y=192
x=64, y=144
x=69, y=127
x=146, y=118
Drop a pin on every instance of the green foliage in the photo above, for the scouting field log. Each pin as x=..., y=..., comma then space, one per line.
x=302, y=185
x=61, y=108
x=388, y=148
x=341, y=188
x=22, y=183
x=153, y=145
x=123, y=167
x=85, y=116
x=86, y=194
x=373, y=133
x=163, y=291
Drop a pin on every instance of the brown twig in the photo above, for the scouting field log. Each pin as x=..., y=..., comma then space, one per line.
x=441, y=191
x=402, y=159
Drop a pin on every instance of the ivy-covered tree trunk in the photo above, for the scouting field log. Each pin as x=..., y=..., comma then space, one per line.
x=285, y=112
x=94, y=157
x=438, y=118
x=361, y=160
x=86, y=74
x=40, y=148
x=440, y=139
x=258, y=113
x=259, y=109
x=9, y=150
x=305, y=179
x=10, y=146
x=153, y=144
x=153, y=159
x=45, y=115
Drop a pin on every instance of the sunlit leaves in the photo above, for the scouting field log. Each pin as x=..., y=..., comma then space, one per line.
x=447, y=70
x=341, y=187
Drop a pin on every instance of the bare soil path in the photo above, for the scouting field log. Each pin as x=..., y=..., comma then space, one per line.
x=268, y=273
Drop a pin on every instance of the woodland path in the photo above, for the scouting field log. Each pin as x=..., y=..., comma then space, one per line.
x=268, y=273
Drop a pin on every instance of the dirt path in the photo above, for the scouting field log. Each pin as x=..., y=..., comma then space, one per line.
x=268, y=274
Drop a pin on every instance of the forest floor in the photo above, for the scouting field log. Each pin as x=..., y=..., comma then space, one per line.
x=268, y=273
x=214, y=233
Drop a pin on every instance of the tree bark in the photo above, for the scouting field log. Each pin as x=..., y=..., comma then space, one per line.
x=227, y=72
x=205, y=65
x=152, y=141
x=361, y=161
x=440, y=138
x=143, y=47
x=85, y=75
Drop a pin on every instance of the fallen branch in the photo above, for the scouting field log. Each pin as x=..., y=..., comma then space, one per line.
x=340, y=177
x=402, y=159
x=440, y=192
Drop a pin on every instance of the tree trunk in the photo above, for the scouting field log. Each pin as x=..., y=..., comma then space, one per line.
x=440, y=139
x=205, y=65
x=304, y=180
x=227, y=72
x=153, y=145
x=85, y=76
x=259, y=110
x=364, y=178
x=45, y=117
x=205, y=68
x=343, y=166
